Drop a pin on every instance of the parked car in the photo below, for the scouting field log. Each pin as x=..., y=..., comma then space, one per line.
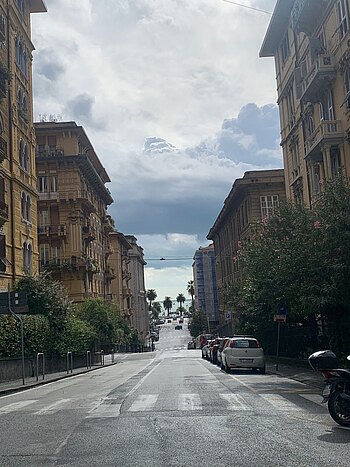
x=202, y=339
x=206, y=349
x=191, y=345
x=169, y=321
x=178, y=327
x=181, y=320
x=213, y=349
x=220, y=349
x=243, y=352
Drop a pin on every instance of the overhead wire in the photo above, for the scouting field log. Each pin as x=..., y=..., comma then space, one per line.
x=249, y=7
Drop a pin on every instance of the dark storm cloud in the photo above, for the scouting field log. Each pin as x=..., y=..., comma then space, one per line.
x=253, y=137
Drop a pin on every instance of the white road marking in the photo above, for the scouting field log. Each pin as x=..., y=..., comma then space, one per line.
x=189, y=402
x=144, y=402
x=316, y=398
x=235, y=402
x=15, y=406
x=280, y=403
x=52, y=408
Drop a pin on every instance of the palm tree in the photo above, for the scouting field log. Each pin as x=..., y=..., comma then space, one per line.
x=151, y=295
x=156, y=310
x=190, y=290
x=168, y=304
x=180, y=299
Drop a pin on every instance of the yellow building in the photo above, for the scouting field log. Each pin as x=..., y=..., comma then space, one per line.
x=18, y=195
x=73, y=224
x=309, y=40
x=251, y=199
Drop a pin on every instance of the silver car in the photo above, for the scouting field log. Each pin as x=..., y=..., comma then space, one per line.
x=243, y=352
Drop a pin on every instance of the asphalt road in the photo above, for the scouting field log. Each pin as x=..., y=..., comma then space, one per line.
x=170, y=408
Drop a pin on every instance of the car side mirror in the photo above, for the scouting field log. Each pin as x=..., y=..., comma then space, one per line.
x=348, y=357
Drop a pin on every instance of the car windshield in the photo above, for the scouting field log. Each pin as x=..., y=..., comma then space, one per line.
x=245, y=343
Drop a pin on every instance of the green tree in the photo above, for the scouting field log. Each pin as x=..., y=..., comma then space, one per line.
x=151, y=295
x=156, y=310
x=180, y=299
x=198, y=323
x=168, y=304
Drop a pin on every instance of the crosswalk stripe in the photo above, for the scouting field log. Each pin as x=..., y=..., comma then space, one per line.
x=143, y=403
x=235, y=402
x=15, y=406
x=189, y=402
x=281, y=403
x=52, y=408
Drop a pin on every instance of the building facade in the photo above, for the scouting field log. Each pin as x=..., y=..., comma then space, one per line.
x=251, y=199
x=18, y=183
x=309, y=40
x=120, y=263
x=205, y=287
x=140, y=314
x=73, y=225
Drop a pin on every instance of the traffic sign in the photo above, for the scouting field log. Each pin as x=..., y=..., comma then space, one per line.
x=227, y=315
x=280, y=318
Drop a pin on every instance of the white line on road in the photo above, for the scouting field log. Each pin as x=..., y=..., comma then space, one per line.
x=280, y=403
x=144, y=402
x=52, y=408
x=15, y=406
x=235, y=402
x=189, y=402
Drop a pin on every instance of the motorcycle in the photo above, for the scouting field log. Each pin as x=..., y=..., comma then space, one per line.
x=337, y=385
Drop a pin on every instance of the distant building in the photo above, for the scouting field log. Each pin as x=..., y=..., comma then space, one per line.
x=73, y=224
x=204, y=275
x=140, y=314
x=18, y=186
x=309, y=41
x=251, y=199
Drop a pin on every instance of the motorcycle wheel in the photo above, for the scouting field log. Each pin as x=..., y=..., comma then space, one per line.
x=338, y=409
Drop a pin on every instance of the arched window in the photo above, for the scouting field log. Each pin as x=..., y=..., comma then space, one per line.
x=21, y=154
x=26, y=158
x=23, y=205
x=27, y=253
x=28, y=206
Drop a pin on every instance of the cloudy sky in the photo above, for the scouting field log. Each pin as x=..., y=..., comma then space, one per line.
x=177, y=104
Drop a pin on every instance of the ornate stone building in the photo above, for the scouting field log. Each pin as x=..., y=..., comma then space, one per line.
x=309, y=40
x=251, y=199
x=18, y=194
x=73, y=225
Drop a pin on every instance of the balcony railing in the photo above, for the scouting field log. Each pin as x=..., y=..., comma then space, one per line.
x=53, y=196
x=305, y=14
x=329, y=131
x=57, y=152
x=53, y=230
x=70, y=264
x=3, y=149
x=322, y=73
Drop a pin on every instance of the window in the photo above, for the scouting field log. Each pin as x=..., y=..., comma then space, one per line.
x=22, y=103
x=42, y=184
x=285, y=51
x=44, y=255
x=53, y=183
x=326, y=107
x=27, y=258
x=335, y=160
x=2, y=28
x=24, y=156
x=21, y=5
x=342, y=18
x=2, y=253
x=43, y=218
x=21, y=56
x=347, y=87
x=268, y=204
x=26, y=207
x=290, y=107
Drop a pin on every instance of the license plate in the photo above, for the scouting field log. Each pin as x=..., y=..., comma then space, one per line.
x=243, y=360
x=326, y=391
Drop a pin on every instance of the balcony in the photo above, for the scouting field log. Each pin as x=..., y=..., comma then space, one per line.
x=328, y=132
x=78, y=196
x=70, y=264
x=4, y=215
x=306, y=14
x=3, y=149
x=109, y=273
x=53, y=231
x=89, y=233
x=49, y=153
x=319, y=78
x=53, y=196
x=108, y=224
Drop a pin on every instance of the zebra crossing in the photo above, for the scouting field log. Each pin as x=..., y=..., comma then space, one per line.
x=187, y=402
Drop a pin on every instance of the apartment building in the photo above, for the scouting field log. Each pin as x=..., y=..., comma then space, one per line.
x=140, y=314
x=310, y=42
x=206, y=293
x=251, y=199
x=18, y=183
x=119, y=262
x=73, y=225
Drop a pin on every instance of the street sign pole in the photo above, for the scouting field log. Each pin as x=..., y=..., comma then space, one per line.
x=278, y=344
x=22, y=332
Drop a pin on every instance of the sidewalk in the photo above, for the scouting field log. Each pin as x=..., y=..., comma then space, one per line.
x=8, y=387
x=298, y=370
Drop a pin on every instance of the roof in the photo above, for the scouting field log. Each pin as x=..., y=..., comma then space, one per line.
x=37, y=6
x=277, y=27
x=238, y=188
